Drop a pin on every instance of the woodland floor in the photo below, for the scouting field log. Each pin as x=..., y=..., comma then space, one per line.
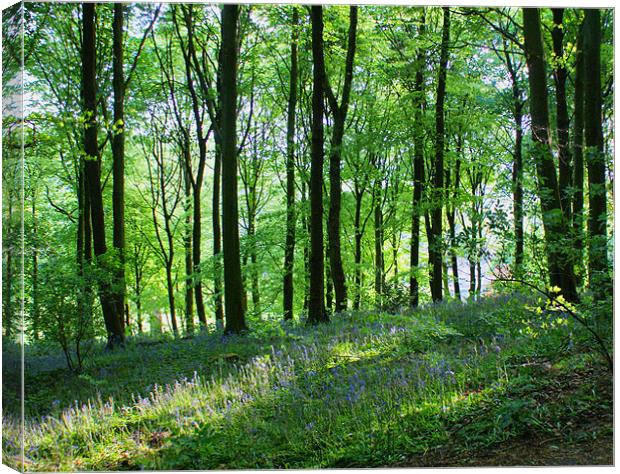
x=492, y=383
x=586, y=439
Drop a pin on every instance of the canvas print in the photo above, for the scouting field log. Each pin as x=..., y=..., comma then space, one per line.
x=294, y=236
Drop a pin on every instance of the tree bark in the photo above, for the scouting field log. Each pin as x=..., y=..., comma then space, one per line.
x=379, y=261
x=418, y=171
x=113, y=321
x=339, y=112
x=558, y=258
x=517, y=164
x=435, y=244
x=578, y=169
x=289, y=246
x=560, y=75
x=316, y=310
x=233, y=286
x=118, y=164
x=187, y=244
x=598, y=267
x=451, y=215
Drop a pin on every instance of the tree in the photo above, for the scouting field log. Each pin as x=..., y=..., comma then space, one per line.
x=578, y=169
x=118, y=161
x=598, y=268
x=339, y=112
x=289, y=246
x=435, y=238
x=233, y=285
x=560, y=75
x=418, y=171
x=558, y=256
x=316, y=304
x=113, y=320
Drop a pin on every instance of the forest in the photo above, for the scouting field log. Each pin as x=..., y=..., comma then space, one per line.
x=306, y=236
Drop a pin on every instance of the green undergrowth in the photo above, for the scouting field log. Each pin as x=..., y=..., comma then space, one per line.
x=366, y=390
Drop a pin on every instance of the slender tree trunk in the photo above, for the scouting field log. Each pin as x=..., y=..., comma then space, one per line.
x=316, y=310
x=379, y=264
x=453, y=256
x=436, y=246
x=233, y=286
x=418, y=172
x=340, y=115
x=187, y=245
x=217, y=237
x=118, y=164
x=289, y=246
x=578, y=168
x=112, y=320
x=171, y=301
x=562, y=120
x=306, y=250
x=451, y=215
x=137, y=273
x=196, y=252
x=358, y=249
x=253, y=255
x=329, y=287
x=517, y=164
x=598, y=267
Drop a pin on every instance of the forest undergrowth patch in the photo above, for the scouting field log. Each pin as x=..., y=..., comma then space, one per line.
x=436, y=386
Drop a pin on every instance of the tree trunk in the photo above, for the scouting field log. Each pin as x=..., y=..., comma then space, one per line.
x=289, y=246
x=418, y=172
x=598, y=267
x=562, y=120
x=316, y=310
x=118, y=164
x=329, y=287
x=339, y=112
x=358, y=249
x=113, y=321
x=435, y=245
x=171, y=302
x=517, y=164
x=558, y=256
x=379, y=263
x=306, y=250
x=451, y=215
x=187, y=245
x=253, y=257
x=233, y=286
x=217, y=237
x=578, y=125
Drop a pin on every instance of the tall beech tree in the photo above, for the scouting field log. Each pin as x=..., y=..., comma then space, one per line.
x=289, y=245
x=436, y=224
x=339, y=112
x=118, y=160
x=559, y=257
x=560, y=75
x=316, y=303
x=233, y=285
x=418, y=168
x=578, y=167
x=598, y=267
x=91, y=164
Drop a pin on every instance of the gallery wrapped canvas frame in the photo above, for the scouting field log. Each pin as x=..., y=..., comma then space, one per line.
x=294, y=236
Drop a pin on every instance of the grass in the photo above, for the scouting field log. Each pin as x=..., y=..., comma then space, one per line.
x=366, y=390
